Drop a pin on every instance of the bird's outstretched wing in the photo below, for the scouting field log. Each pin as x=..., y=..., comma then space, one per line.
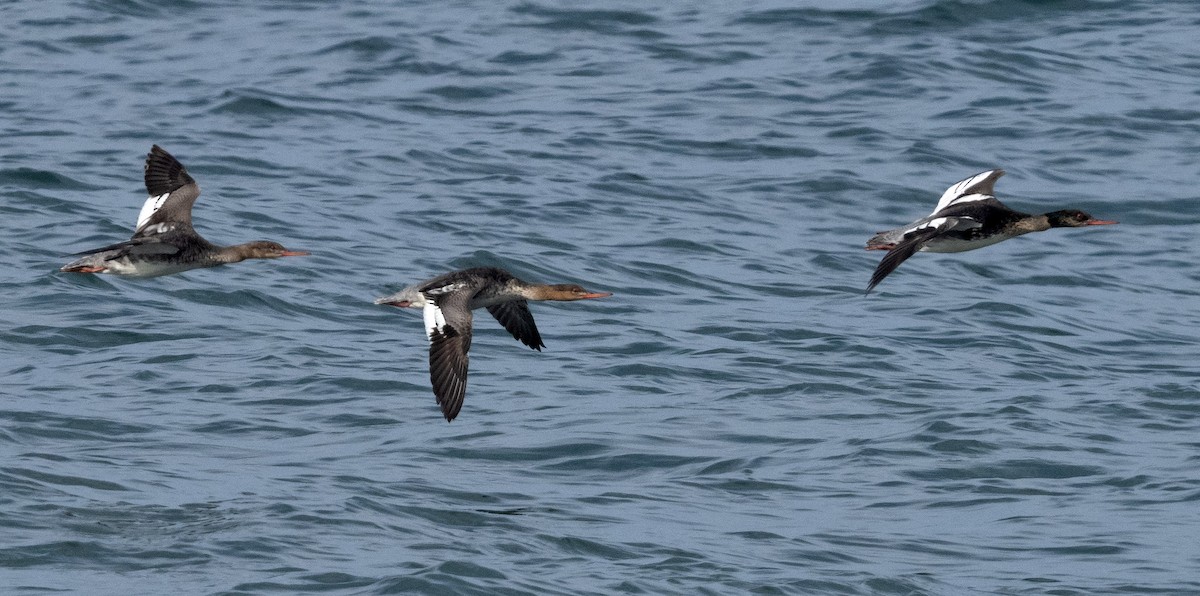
x=517, y=319
x=979, y=187
x=916, y=238
x=448, y=326
x=172, y=194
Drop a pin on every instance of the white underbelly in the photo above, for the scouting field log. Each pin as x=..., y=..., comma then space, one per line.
x=147, y=269
x=957, y=245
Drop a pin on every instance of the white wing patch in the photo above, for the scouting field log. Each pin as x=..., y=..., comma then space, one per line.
x=954, y=194
x=446, y=289
x=966, y=199
x=151, y=205
x=434, y=321
x=158, y=228
x=947, y=224
x=933, y=223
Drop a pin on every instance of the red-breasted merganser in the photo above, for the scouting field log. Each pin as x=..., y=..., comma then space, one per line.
x=164, y=241
x=967, y=217
x=448, y=301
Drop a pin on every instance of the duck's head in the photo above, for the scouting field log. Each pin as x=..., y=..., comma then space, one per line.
x=261, y=249
x=1074, y=218
x=566, y=292
x=265, y=250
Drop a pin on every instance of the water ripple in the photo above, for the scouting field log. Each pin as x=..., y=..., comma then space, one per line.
x=737, y=418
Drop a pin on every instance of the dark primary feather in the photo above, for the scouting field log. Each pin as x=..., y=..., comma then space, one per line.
x=143, y=245
x=448, y=347
x=907, y=247
x=448, y=369
x=123, y=247
x=164, y=173
x=517, y=319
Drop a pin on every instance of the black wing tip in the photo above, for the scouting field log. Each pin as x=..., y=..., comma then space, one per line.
x=158, y=154
x=450, y=407
x=164, y=173
x=449, y=384
x=900, y=253
x=881, y=272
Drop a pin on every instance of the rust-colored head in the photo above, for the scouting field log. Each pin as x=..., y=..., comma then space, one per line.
x=265, y=249
x=564, y=292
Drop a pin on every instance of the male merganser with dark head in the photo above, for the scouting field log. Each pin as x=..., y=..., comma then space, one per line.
x=448, y=301
x=164, y=241
x=967, y=217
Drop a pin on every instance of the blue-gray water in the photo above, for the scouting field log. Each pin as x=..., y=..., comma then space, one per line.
x=737, y=418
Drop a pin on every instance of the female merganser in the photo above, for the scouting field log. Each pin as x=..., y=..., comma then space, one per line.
x=448, y=301
x=967, y=217
x=164, y=241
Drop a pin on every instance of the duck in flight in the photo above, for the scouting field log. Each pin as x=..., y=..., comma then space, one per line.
x=448, y=300
x=164, y=241
x=967, y=217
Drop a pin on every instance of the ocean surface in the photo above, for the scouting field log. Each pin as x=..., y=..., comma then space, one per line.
x=738, y=418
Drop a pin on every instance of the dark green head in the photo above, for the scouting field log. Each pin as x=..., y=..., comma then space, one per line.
x=1074, y=218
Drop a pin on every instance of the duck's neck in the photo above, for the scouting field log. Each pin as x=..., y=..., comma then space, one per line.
x=542, y=292
x=1030, y=223
x=231, y=254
